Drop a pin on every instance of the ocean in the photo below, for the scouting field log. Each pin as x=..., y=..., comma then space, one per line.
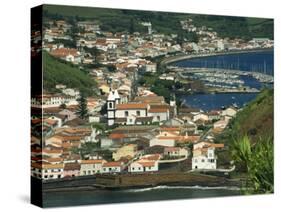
x=261, y=61
x=254, y=61
x=72, y=198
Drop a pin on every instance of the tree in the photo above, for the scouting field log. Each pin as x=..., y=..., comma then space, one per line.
x=132, y=26
x=82, y=110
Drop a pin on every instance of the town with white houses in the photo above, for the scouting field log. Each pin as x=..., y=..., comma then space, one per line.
x=128, y=127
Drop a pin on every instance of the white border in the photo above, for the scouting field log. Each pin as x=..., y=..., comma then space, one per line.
x=15, y=81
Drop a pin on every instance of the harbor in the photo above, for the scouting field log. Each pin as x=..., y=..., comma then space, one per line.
x=222, y=80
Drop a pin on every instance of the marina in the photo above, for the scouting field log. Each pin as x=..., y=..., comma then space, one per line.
x=225, y=86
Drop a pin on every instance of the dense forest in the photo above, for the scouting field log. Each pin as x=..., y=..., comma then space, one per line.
x=116, y=20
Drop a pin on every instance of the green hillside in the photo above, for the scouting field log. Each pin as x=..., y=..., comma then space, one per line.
x=255, y=122
x=256, y=119
x=252, y=146
x=165, y=22
x=249, y=144
x=56, y=71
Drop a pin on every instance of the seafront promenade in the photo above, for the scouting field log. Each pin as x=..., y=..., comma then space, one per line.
x=183, y=56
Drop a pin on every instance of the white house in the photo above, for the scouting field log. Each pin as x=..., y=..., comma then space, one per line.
x=143, y=166
x=162, y=142
x=229, y=112
x=169, y=136
x=159, y=112
x=206, y=160
x=147, y=163
x=52, y=100
x=112, y=167
x=204, y=155
x=201, y=116
x=175, y=152
x=151, y=67
x=47, y=171
x=90, y=167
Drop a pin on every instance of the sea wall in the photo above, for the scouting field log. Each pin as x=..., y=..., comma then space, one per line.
x=176, y=58
x=153, y=179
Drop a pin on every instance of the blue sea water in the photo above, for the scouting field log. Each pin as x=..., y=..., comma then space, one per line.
x=254, y=61
x=72, y=198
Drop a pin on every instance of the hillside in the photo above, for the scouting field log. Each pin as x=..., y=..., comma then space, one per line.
x=256, y=119
x=56, y=71
x=252, y=145
x=165, y=22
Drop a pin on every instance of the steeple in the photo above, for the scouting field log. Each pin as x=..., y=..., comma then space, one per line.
x=112, y=99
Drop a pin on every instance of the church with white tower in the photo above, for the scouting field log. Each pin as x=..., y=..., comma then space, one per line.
x=141, y=111
x=112, y=100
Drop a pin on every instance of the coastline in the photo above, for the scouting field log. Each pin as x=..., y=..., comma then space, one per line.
x=172, y=59
x=139, y=181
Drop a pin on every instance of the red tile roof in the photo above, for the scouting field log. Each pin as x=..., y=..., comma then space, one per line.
x=116, y=136
x=63, y=52
x=130, y=106
x=91, y=161
x=158, y=110
x=112, y=164
x=147, y=164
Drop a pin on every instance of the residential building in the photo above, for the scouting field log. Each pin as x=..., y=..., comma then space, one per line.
x=47, y=171
x=147, y=163
x=204, y=155
x=71, y=170
x=52, y=100
x=175, y=152
x=90, y=167
x=67, y=54
x=112, y=167
x=230, y=111
x=141, y=111
x=206, y=160
x=151, y=67
x=200, y=116
x=170, y=136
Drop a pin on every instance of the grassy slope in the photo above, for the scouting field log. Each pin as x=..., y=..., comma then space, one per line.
x=167, y=22
x=256, y=119
x=56, y=71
